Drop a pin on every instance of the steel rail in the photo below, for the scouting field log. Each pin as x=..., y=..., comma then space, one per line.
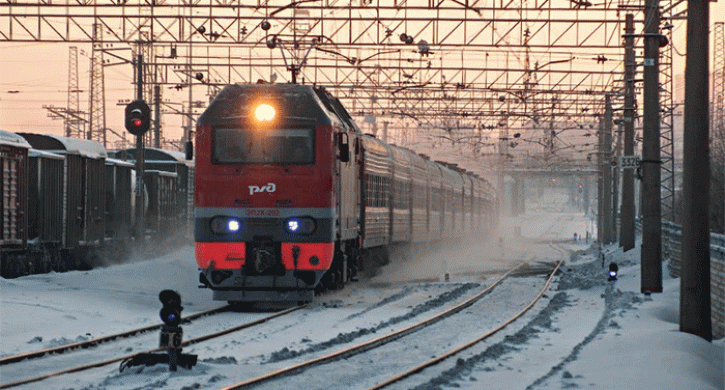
x=473, y=342
x=362, y=347
x=100, y=340
x=121, y=358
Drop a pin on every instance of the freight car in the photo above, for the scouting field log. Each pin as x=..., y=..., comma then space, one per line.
x=67, y=206
x=291, y=197
x=14, y=204
x=169, y=161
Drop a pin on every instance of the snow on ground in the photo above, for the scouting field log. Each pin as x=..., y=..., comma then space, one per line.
x=588, y=333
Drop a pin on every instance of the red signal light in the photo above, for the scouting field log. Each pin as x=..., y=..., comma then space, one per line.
x=138, y=119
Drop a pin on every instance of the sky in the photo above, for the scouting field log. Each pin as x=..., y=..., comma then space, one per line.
x=585, y=333
x=36, y=74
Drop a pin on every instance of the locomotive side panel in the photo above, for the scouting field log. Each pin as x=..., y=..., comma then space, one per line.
x=348, y=186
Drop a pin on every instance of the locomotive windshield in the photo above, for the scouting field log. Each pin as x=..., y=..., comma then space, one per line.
x=246, y=146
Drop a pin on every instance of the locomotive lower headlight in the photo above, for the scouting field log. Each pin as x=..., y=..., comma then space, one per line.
x=233, y=225
x=225, y=225
x=300, y=225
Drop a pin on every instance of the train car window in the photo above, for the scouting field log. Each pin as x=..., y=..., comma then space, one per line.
x=282, y=146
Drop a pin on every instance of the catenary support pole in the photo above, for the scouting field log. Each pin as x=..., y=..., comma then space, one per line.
x=140, y=223
x=607, y=171
x=651, y=254
x=616, y=172
x=157, y=116
x=626, y=230
x=601, y=235
x=695, y=282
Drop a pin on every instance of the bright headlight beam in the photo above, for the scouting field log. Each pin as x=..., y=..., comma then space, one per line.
x=264, y=112
x=233, y=226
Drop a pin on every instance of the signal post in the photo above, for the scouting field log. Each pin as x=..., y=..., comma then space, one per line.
x=138, y=122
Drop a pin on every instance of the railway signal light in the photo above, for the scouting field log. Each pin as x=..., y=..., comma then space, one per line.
x=138, y=117
x=171, y=311
x=613, y=270
x=170, y=340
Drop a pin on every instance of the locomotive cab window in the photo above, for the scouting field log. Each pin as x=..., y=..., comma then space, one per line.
x=278, y=146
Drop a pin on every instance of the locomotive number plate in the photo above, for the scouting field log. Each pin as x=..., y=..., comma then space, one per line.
x=262, y=213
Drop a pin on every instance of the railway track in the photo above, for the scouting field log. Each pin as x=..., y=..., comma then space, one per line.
x=16, y=361
x=520, y=270
x=100, y=340
x=359, y=348
x=472, y=342
x=124, y=335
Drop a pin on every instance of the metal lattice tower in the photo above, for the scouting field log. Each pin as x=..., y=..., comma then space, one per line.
x=97, y=100
x=74, y=122
x=718, y=92
x=667, y=123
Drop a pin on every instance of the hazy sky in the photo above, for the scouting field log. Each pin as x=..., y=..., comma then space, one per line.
x=35, y=74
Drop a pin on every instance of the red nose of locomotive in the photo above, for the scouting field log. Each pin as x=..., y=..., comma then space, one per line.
x=264, y=195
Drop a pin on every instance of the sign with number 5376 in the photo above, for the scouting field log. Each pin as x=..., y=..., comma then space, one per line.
x=630, y=162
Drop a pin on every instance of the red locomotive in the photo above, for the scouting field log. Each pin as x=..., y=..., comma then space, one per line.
x=292, y=198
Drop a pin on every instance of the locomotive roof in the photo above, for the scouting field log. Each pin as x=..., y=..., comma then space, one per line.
x=300, y=103
x=59, y=144
x=7, y=138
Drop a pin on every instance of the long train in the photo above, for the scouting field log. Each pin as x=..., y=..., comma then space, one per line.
x=67, y=204
x=292, y=198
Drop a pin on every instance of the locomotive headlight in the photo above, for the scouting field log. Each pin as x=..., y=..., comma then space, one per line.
x=264, y=112
x=233, y=225
x=300, y=225
x=225, y=225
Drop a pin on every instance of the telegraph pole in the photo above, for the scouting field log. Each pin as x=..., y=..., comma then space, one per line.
x=695, y=282
x=626, y=230
x=651, y=256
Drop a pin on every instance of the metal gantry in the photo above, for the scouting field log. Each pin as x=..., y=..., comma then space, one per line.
x=667, y=120
x=97, y=100
x=428, y=69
